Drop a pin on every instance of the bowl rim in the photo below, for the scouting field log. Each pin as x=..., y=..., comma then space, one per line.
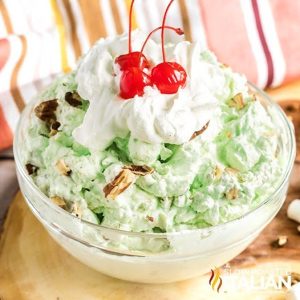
x=283, y=180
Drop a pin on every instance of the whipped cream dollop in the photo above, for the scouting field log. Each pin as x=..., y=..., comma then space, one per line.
x=154, y=117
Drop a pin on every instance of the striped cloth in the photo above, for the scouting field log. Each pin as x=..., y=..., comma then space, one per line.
x=41, y=38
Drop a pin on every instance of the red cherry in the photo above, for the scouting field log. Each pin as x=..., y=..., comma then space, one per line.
x=168, y=77
x=133, y=59
x=137, y=58
x=132, y=82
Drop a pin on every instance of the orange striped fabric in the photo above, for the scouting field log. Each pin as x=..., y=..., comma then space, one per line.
x=45, y=38
x=93, y=19
x=61, y=29
x=6, y=18
x=72, y=29
x=185, y=20
x=4, y=53
x=13, y=82
x=6, y=136
x=234, y=35
x=117, y=16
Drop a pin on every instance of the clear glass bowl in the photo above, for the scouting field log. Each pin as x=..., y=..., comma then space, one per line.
x=156, y=257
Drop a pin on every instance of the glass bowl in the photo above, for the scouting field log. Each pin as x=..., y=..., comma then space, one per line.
x=156, y=257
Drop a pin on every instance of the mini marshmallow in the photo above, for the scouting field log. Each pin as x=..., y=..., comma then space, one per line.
x=293, y=210
x=294, y=292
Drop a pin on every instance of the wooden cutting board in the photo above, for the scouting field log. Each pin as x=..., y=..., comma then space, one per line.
x=34, y=267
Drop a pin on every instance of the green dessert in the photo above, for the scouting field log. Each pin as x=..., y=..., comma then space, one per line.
x=156, y=162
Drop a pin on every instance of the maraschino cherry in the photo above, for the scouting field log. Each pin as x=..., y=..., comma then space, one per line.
x=168, y=76
x=131, y=59
x=134, y=79
x=134, y=65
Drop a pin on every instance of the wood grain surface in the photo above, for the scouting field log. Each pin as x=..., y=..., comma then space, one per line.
x=33, y=266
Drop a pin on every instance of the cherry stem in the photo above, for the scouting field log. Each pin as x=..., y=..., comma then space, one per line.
x=179, y=31
x=163, y=31
x=130, y=27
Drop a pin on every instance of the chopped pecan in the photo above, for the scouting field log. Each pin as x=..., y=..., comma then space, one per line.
x=232, y=194
x=139, y=170
x=73, y=99
x=54, y=128
x=151, y=219
x=55, y=125
x=46, y=111
x=31, y=169
x=198, y=132
x=237, y=101
x=53, y=132
x=59, y=202
x=121, y=182
x=62, y=168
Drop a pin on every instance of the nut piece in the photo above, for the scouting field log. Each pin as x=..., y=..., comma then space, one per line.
x=232, y=194
x=46, y=111
x=217, y=172
x=55, y=125
x=54, y=128
x=237, y=101
x=228, y=134
x=59, y=202
x=139, y=170
x=73, y=99
x=53, y=132
x=149, y=218
x=76, y=210
x=198, y=132
x=62, y=168
x=280, y=242
x=298, y=228
x=31, y=169
x=119, y=184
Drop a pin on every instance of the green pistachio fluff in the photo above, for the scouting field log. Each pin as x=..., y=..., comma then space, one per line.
x=203, y=182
